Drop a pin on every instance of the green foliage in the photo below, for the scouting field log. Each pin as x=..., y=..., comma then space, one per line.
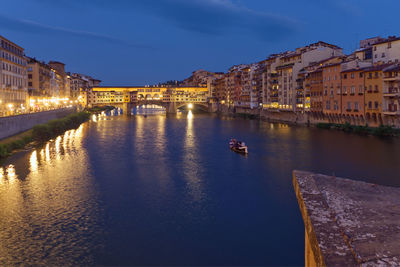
x=44, y=132
x=322, y=125
x=99, y=109
x=362, y=130
x=3, y=151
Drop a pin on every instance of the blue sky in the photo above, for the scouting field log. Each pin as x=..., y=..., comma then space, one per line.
x=135, y=42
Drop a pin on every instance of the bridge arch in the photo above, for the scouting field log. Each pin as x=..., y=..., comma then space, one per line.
x=201, y=106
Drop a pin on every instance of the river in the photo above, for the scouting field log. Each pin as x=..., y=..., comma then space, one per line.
x=166, y=190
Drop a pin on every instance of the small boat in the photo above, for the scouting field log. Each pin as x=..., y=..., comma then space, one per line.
x=238, y=146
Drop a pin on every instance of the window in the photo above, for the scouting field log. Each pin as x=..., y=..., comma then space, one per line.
x=376, y=104
x=370, y=104
x=328, y=104
x=376, y=88
x=355, y=105
x=360, y=89
x=352, y=75
x=376, y=74
x=370, y=88
x=345, y=89
x=389, y=45
x=29, y=76
x=338, y=90
x=29, y=83
x=348, y=105
x=353, y=90
x=335, y=105
x=383, y=54
x=344, y=76
x=374, y=48
x=360, y=75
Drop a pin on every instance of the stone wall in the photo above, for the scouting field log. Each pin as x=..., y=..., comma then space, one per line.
x=305, y=118
x=16, y=124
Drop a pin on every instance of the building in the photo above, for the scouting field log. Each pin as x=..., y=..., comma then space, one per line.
x=103, y=95
x=288, y=65
x=61, y=84
x=353, y=101
x=386, y=50
x=314, y=81
x=13, y=78
x=39, y=76
x=81, y=82
x=373, y=77
x=391, y=95
x=332, y=88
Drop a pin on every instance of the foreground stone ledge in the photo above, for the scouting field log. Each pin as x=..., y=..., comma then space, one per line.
x=347, y=222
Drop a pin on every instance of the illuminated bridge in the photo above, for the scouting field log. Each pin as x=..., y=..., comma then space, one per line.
x=171, y=98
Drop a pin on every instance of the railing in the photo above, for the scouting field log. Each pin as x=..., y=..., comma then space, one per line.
x=392, y=90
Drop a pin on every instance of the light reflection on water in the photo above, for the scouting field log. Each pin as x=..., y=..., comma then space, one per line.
x=166, y=190
x=49, y=217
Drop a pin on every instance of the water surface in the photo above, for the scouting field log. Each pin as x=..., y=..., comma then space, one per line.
x=166, y=190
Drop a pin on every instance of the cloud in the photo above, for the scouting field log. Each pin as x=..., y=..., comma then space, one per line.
x=29, y=26
x=214, y=17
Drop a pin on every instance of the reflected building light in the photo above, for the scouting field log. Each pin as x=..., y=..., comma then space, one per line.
x=190, y=115
x=11, y=175
x=65, y=139
x=1, y=175
x=94, y=118
x=58, y=141
x=78, y=132
x=48, y=152
x=33, y=162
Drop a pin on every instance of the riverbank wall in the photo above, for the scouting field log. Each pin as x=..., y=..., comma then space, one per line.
x=305, y=118
x=13, y=125
x=348, y=222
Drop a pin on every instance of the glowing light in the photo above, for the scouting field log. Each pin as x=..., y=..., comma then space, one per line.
x=33, y=161
x=190, y=106
x=190, y=115
x=11, y=175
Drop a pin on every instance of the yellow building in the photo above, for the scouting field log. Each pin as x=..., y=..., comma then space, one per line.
x=374, y=94
x=13, y=78
x=114, y=95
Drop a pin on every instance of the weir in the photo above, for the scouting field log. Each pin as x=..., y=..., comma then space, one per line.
x=347, y=222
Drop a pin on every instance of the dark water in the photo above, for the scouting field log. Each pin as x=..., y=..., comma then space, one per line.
x=168, y=191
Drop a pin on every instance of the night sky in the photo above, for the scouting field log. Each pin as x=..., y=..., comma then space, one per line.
x=137, y=42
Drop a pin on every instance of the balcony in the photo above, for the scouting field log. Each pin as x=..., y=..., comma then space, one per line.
x=391, y=110
x=392, y=91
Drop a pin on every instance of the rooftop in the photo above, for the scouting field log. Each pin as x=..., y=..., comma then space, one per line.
x=349, y=222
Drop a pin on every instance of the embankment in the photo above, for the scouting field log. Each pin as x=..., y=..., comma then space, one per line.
x=13, y=125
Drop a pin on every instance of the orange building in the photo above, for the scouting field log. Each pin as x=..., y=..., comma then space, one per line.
x=353, y=95
x=332, y=89
x=373, y=77
x=314, y=82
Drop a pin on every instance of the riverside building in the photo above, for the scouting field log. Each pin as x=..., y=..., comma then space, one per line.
x=286, y=68
x=13, y=78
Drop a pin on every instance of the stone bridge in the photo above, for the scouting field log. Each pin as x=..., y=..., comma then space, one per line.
x=171, y=98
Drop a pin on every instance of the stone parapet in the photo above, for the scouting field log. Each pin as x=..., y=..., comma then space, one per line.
x=347, y=222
